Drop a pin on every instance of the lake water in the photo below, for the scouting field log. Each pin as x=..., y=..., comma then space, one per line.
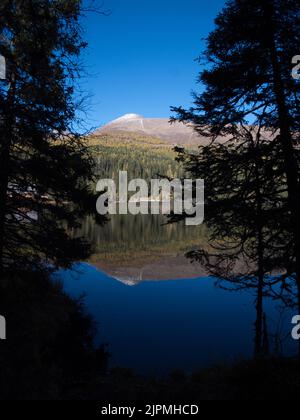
x=155, y=310
x=155, y=327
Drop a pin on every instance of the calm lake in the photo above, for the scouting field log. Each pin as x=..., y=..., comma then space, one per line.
x=155, y=310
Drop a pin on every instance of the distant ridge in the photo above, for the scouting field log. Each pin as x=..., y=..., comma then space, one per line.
x=173, y=134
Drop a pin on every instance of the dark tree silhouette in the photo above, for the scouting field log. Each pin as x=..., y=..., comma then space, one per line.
x=45, y=169
x=248, y=81
x=246, y=215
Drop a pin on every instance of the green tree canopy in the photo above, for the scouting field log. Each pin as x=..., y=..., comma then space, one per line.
x=248, y=81
x=249, y=108
x=45, y=168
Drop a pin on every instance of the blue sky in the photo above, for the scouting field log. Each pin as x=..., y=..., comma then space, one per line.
x=141, y=58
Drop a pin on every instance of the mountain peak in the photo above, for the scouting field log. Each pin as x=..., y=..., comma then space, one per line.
x=176, y=133
x=128, y=117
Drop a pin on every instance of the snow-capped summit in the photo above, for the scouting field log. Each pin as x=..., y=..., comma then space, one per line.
x=176, y=133
x=129, y=117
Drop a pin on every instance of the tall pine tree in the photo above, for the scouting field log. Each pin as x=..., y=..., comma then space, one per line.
x=247, y=81
x=45, y=169
x=246, y=216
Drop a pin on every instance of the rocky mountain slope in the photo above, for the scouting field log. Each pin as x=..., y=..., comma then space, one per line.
x=172, y=134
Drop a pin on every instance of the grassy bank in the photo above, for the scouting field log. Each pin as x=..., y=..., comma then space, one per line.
x=272, y=379
x=49, y=346
x=49, y=354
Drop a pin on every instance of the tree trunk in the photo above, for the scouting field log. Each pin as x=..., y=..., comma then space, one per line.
x=266, y=343
x=4, y=164
x=291, y=164
x=259, y=325
x=259, y=318
x=5, y=153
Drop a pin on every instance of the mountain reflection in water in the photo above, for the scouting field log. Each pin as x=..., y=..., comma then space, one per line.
x=155, y=327
x=138, y=248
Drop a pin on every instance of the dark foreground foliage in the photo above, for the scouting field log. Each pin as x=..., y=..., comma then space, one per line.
x=274, y=379
x=49, y=354
x=49, y=348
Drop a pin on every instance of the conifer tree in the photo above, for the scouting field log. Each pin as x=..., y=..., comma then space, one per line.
x=248, y=81
x=45, y=169
x=246, y=215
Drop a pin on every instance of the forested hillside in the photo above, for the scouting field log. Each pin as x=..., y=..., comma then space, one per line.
x=142, y=156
